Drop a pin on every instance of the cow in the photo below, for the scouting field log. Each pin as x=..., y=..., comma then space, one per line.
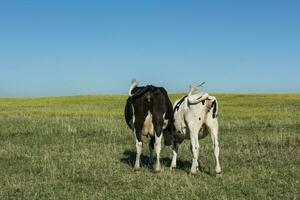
x=148, y=111
x=195, y=116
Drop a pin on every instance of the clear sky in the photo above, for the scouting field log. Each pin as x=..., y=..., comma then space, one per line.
x=89, y=47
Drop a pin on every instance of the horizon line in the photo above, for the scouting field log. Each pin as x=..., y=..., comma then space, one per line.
x=124, y=94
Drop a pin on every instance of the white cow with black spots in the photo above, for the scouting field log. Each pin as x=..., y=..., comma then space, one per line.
x=195, y=116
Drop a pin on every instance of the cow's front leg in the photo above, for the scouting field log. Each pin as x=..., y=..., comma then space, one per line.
x=175, y=153
x=195, y=150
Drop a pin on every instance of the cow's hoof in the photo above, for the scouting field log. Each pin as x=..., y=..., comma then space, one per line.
x=136, y=169
x=219, y=174
x=157, y=169
x=172, y=168
x=194, y=172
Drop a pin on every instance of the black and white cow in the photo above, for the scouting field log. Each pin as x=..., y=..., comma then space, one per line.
x=195, y=116
x=148, y=112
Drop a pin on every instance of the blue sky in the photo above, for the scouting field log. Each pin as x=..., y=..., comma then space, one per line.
x=52, y=48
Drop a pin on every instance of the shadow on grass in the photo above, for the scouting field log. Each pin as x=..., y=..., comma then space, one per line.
x=129, y=159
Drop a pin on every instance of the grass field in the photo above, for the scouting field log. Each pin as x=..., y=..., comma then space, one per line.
x=80, y=148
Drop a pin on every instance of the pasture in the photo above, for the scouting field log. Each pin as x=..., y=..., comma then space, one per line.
x=79, y=147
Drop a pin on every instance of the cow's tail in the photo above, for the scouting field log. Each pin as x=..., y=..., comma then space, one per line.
x=134, y=84
x=139, y=91
x=197, y=98
x=129, y=113
x=215, y=106
x=168, y=131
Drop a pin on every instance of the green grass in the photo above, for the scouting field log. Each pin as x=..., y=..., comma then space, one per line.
x=80, y=148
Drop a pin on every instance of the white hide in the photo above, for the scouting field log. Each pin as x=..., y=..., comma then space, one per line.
x=189, y=120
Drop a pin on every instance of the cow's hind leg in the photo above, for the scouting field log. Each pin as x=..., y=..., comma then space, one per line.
x=157, y=147
x=194, y=147
x=138, y=144
x=175, y=153
x=213, y=130
x=157, y=144
x=151, y=147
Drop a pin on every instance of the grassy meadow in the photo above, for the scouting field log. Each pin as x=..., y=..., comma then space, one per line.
x=79, y=147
